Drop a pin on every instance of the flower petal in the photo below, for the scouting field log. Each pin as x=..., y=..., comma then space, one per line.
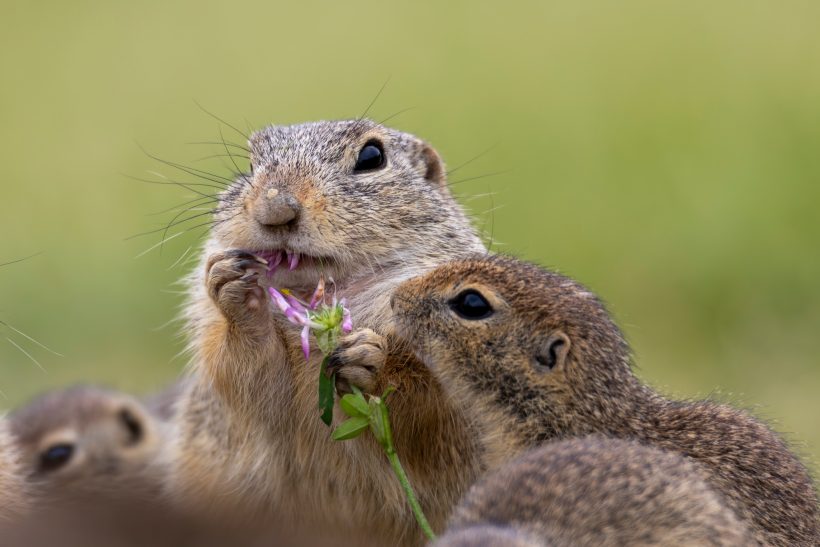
x=280, y=300
x=318, y=294
x=306, y=341
x=293, y=260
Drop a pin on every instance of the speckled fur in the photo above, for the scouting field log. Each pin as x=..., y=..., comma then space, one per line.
x=595, y=490
x=107, y=459
x=490, y=366
x=248, y=430
x=13, y=494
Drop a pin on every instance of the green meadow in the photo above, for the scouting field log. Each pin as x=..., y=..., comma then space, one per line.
x=665, y=154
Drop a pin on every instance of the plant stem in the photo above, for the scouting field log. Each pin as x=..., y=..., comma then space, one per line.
x=389, y=449
x=411, y=496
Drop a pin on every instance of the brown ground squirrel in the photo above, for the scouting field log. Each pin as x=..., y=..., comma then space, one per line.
x=369, y=207
x=534, y=356
x=85, y=441
x=595, y=490
x=12, y=488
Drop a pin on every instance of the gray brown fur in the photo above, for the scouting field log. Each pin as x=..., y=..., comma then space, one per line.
x=248, y=431
x=115, y=445
x=593, y=491
x=13, y=495
x=490, y=366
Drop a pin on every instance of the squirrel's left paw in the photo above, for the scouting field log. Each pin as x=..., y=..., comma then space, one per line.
x=357, y=360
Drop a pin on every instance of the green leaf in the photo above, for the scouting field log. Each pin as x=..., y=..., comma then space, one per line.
x=354, y=405
x=351, y=428
x=326, y=394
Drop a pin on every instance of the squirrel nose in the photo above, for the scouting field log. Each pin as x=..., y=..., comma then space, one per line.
x=278, y=209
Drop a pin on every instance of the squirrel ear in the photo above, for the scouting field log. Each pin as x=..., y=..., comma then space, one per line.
x=553, y=353
x=433, y=166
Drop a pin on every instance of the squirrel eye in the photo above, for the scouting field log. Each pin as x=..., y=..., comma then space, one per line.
x=132, y=425
x=371, y=156
x=56, y=456
x=471, y=305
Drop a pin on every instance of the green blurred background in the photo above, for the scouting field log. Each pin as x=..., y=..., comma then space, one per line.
x=666, y=154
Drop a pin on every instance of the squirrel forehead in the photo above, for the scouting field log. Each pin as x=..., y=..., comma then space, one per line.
x=521, y=284
x=542, y=297
x=70, y=407
x=323, y=141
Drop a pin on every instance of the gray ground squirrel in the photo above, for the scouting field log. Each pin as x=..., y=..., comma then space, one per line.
x=595, y=490
x=369, y=207
x=85, y=441
x=534, y=356
x=12, y=488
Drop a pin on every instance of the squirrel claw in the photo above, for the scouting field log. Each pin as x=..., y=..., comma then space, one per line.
x=357, y=361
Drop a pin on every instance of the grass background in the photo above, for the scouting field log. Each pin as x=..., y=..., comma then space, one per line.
x=666, y=154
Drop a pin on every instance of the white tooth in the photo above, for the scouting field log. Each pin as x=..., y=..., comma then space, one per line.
x=293, y=261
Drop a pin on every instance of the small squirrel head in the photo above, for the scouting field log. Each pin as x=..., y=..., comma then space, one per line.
x=84, y=439
x=534, y=352
x=341, y=198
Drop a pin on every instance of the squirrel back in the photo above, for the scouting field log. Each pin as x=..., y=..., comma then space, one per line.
x=594, y=491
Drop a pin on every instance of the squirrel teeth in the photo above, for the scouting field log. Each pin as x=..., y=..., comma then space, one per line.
x=293, y=260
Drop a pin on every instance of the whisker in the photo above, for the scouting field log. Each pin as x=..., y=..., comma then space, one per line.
x=238, y=170
x=193, y=201
x=471, y=160
x=152, y=247
x=20, y=260
x=220, y=120
x=170, y=182
x=178, y=260
x=171, y=225
x=478, y=177
x=388, y=118
x=30, y=339
x=231, y=144
x=191, y=170
x=376, y=98
x=212, y=156
x=27, y=354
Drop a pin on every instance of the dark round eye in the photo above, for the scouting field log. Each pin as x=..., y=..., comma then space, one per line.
x=56, y=456
x=471, y=305
x=371, y=156
x=132, y=425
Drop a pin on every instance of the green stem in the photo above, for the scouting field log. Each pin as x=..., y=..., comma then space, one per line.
x=411, y=496
x=387, y=444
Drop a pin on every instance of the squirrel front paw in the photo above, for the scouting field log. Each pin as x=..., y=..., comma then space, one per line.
x=232, y=280
x=357, y=359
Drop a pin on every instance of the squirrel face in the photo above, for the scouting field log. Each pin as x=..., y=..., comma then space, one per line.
x=83, y=438
x=337, y=198
x=536, y=349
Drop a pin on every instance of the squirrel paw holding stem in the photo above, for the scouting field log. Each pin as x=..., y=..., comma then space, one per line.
x=357, y=360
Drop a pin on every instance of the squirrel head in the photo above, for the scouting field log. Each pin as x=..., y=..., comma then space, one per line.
x=527, y=351
x=83, y=438
x=339, y=198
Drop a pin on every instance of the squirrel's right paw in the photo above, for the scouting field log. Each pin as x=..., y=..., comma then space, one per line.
x=232, y=279
x=357, y=360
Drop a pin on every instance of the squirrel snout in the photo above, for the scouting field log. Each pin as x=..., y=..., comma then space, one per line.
x=277, y=209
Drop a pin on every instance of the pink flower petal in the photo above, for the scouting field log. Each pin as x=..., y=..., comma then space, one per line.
x=274, y=261
x=293, y=260
x=306, y=341
x=279, y=299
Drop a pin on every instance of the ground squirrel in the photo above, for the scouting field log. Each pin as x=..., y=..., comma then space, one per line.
x=534, y=356
x=595, y=490
x=85, y=441
x=12, y=488
x=368, y=207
